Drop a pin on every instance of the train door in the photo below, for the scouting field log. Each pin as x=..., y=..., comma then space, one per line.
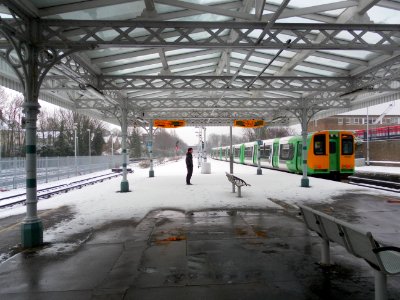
x=275, y=154
x=255, y=154
x=299, y=157
x=333, y=154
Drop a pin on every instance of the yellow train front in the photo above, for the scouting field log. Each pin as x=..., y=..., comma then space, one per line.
x=330, y=153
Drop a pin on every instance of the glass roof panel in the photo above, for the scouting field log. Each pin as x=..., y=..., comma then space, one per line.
x=304, y=3
x=297, y=20
x=103, y=52
x=285, y=53
x=359, y=54
x=314, y=71
x=137, y=69
x=384, y=15
x=328, y=62
x=193, y=59
x=206, y=17
x=248, y=67
x=123, y=11
x=184, y=68
x=133, y=59
x=47, y=3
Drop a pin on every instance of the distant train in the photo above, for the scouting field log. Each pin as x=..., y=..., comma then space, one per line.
x=330, y=153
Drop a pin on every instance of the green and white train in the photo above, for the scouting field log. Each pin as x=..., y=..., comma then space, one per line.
x=330, y=153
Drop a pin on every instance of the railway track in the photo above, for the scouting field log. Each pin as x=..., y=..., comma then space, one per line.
x=57, y=189
x=386, y=184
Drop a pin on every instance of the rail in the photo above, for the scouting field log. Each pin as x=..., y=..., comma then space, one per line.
x=56, y=189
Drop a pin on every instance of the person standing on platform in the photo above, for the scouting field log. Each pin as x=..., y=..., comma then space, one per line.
x=189, y=165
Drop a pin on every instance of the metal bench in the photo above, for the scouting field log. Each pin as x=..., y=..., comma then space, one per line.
x=385, y=260
x=236, y=181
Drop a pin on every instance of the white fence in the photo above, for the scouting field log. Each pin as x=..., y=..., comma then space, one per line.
x=13, y=175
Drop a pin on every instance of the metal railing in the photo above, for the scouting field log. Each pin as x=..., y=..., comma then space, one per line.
x=13, y=175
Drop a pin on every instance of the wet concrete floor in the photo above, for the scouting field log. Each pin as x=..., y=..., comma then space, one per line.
x=220, y=254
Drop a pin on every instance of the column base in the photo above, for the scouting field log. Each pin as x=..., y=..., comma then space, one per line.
x=32, y=234
x=305, y=182
x=124, y=186
x=151, y=173
x=259, y=171
x=206, y=168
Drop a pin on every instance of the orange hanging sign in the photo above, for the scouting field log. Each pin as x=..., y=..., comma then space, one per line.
x=249, y=123
x=169, y=123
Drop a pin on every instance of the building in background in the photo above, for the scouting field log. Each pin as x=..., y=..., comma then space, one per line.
x=378, y=116
x=383, y=133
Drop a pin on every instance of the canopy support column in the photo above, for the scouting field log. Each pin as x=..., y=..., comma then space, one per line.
x=32, y=227
x=231, y=156
x=124, y=129
x=150, y=148
x=259, y=170
x=205, y=146
x=305, y=182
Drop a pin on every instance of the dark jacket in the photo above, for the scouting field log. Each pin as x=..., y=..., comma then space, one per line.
x=189, y=160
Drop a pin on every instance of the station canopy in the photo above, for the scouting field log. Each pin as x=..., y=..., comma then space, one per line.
x=207, y=62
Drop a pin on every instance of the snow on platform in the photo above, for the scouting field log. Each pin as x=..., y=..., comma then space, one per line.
x=102, y=203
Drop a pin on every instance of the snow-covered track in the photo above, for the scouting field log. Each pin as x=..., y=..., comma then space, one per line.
x=377, y=183
x=56, y=189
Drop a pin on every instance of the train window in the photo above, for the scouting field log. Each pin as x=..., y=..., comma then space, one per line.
x=332, y=147
x=248, y=152
x=286, y=152
x=319, y=144
x=265, y=151
x=236, y=152
x=347, y=145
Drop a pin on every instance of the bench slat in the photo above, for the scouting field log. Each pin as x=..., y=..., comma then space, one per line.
x=357, y=242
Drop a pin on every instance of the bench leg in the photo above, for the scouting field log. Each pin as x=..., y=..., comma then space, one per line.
x=239, y=191
x=325, y=253
x=380, y=286
x=233, y=188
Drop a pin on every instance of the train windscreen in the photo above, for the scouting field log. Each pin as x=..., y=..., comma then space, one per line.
x=319, y=144
x=347, y=144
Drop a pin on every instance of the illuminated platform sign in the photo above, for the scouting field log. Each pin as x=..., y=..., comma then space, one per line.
x=169, y=123
x=249, y=123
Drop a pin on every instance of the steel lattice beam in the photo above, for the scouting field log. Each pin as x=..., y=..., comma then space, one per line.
x=70, y=34
x=223, y=82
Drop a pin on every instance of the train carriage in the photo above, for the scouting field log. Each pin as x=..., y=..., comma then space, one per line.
x=330, y=153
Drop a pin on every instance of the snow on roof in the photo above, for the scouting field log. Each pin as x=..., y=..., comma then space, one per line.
x=377, y=110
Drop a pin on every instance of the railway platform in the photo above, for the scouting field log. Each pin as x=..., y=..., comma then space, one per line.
x=167, y=240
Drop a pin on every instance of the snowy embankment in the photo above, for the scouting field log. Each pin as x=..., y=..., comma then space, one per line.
x=102, y=203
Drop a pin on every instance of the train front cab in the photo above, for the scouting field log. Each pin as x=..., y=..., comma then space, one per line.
x=347, y=154
x=331, y=154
